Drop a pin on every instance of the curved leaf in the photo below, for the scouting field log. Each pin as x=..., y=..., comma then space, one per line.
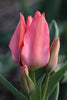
x=54, y=79
x=55, y=93
x=11, y=88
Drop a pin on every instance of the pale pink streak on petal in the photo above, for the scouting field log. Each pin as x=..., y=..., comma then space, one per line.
x=36, y=44
x=41, y=44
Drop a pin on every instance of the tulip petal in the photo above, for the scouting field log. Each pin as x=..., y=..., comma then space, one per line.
x=35, y=52
x=29, y=21
x=15, y=43
x=22, y=30
x=52, y=45
x=54, y=54
x=37, y=15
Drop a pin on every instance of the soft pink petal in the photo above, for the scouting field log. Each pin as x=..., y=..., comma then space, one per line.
x=22, y=30
x=15, y=42
x=13, y=45
x=37, y=15
x=43, y=14
x=29, y=21
x=35, y=52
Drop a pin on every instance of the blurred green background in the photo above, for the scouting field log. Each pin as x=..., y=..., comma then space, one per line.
x=9, y=17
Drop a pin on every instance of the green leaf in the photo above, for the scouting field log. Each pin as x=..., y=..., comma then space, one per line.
x=40, y=81
x=55, y=93
x=61, y=62
x=62, y=59
x=65, y=78
x=54, y=79
x=11, y=88
x=54, y=30
x=36, y=95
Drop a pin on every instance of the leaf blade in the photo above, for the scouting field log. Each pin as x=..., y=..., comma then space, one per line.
x=11, y=88
x=54, y=79
x=55, y=94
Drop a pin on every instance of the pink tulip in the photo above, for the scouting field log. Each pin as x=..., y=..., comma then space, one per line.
x=30, y=43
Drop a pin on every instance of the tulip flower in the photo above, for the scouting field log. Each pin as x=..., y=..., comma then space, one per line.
x=30, y=43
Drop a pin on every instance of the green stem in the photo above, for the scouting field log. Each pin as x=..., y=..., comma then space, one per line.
x=45, y=86
x=29, y=97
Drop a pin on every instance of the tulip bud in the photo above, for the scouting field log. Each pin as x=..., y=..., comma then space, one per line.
x=26, y=82
x=54, y=55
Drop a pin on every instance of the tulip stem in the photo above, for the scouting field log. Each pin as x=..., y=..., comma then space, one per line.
x=32, y=75
x=45, y=86
x=29, y=97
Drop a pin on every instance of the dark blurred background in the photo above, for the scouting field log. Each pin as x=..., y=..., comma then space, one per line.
x=9, y=17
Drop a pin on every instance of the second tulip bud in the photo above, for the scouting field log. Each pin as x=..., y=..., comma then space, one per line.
x=26, y=82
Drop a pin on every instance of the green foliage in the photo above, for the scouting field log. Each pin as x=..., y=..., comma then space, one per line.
x=40, y=83
x=39, y=73
x=11, y=88
x=54, y=79
x=65, y=78
x=55, y=93
x=54, y=31
x=36, y=95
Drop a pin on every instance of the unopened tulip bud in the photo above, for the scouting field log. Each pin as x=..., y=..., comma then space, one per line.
x=31, y=41
x=26, y=82
x=54, y=55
